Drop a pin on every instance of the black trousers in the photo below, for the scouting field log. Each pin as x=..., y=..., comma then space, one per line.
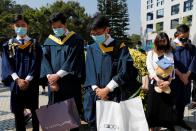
x=75, y=129
x=180, y=112
x=20, y=122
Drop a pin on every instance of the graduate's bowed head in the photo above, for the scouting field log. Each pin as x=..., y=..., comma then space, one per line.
x=183, y=33
x=58, y=22
x=99, y=28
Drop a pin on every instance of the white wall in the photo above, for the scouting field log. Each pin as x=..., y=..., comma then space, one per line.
x=167, y=18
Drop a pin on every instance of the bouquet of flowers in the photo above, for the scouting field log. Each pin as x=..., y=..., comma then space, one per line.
x=139, y=62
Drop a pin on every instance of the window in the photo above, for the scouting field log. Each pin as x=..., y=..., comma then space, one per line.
x=175, y=9
x=159, y=26
x=149, y=28
x=174, y=23
x=188, y=5
x=187, y=20
x=149, y=16
x=149, y=4
x=160, y=3
x=160, y=13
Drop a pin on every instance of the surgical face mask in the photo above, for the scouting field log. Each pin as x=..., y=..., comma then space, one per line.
x=99, y=39
x=21, y=30
x=59, y=31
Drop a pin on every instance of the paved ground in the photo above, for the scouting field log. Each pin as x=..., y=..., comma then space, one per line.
x=7, y=119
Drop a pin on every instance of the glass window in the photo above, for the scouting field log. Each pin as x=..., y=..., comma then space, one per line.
x=149, y=16
x=160, y=13
x=160, y=2
x=174, y=23
x=175, y=9
x=188, y=5
x=149, y=4
x=159, y=26
x=149, y=28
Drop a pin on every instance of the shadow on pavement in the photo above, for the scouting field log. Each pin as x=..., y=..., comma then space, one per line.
x=7, y=125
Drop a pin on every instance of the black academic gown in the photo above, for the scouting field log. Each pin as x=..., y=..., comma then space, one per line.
x=101, y=69
x=25, y=62
x=68, y=57
x=185, y=60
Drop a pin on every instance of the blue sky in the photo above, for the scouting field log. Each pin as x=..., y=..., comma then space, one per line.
x=91, y=8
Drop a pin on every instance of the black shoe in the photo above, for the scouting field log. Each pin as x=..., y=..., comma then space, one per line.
x=172, y=128
x=191, y=106
x=184, y=125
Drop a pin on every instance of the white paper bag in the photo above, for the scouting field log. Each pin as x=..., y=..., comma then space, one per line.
x=133, y=115
x=124, y=116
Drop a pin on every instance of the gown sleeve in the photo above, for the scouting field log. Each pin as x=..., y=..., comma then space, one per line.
x=75, y=60
x=192, y=66
x=8, y=67
x=91, y=75
x=124, y=64
x=46, y=67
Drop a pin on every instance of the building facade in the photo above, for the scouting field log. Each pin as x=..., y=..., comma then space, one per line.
x=166, y=15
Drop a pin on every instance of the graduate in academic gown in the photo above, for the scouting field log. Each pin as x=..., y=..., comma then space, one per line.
x=108, y=68
x=20, y=71
x=63, y=62
x=185, y=65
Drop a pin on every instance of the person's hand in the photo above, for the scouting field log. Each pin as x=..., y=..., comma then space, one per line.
x=181, y=77
x=53, y=78
x=103, y=93
x=26, y=83
x=54, y=87
x=21, y=83
x=185, y=78
x=164, y=84
x=159, y=82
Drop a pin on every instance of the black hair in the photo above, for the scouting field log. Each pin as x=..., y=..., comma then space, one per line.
x=176, y=34
x=99, y=21
x=20, y=17
x=183, y=28
x=58, y=17
x=162, y=36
